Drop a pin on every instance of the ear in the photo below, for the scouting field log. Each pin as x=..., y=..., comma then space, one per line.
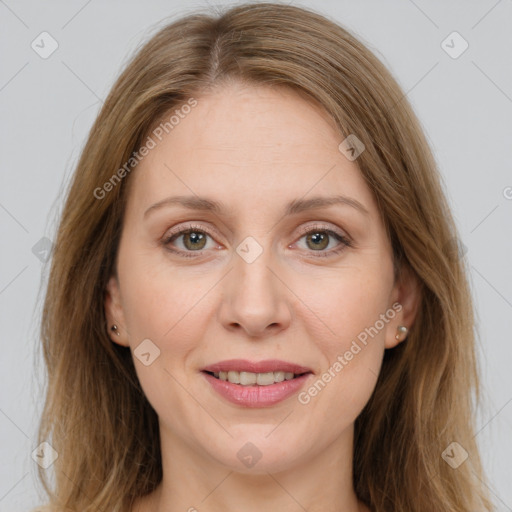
x=407, y=293
x=114, y=313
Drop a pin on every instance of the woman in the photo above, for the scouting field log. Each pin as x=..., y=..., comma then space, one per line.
x=254, y=301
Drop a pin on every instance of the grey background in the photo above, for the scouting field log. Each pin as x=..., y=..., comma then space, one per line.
x=48, y=105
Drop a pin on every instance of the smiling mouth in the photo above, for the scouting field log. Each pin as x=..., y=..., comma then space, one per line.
x=255, y=379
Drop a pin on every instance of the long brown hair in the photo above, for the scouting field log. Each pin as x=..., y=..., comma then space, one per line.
x=96, y=415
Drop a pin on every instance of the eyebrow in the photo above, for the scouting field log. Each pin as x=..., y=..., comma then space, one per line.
x=292, y=208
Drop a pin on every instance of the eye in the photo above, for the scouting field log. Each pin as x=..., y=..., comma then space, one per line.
x=318, y=238
x=194, y=239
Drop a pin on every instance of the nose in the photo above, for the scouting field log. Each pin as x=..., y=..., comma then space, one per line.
x=255, y=297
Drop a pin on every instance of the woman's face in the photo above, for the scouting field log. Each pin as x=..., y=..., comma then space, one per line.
x=270, y=276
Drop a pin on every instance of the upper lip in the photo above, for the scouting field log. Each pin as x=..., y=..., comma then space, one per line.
x=266, y=366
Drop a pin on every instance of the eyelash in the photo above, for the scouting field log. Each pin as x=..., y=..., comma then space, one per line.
x=345, y=242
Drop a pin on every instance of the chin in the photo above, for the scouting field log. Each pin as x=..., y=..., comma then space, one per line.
x=258, y=455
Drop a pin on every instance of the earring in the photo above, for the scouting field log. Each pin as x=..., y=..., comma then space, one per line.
x=401, y=331
x=114, y=328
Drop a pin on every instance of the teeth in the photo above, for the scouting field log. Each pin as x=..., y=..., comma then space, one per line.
x=279, y=376
x=264, y=379
x=233, y=377
x=248, y=379
x=251, y=379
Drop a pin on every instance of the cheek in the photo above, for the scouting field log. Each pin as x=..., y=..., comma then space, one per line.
x=343, y=304
x=349, y=329
x=170, y=308
x=159, y=300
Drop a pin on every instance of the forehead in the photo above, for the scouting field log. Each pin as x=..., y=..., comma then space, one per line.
x=247, y=145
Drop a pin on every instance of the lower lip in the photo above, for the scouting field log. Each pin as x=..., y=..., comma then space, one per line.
x=256, y=396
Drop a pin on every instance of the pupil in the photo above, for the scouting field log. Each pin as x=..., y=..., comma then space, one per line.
x=318, y=240
x=194, y=238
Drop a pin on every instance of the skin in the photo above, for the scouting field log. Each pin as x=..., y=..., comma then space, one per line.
x=254, y=149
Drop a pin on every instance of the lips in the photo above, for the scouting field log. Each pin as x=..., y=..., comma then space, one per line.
x=267, y=366
x=256, y=384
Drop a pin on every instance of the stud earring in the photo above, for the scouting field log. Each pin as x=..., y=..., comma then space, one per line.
x=401, y=332
x=114, y=328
